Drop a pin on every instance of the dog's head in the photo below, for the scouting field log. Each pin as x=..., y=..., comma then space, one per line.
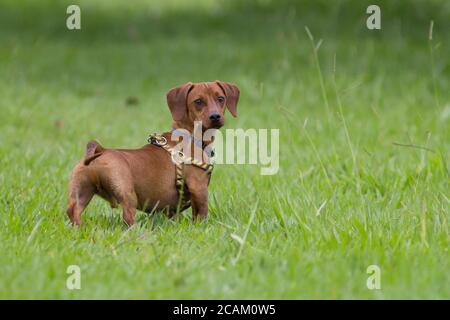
x=204, y=101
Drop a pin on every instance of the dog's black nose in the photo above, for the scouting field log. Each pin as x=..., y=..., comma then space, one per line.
x=214, y=117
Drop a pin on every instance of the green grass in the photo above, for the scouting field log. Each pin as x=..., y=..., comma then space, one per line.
x=346, y=196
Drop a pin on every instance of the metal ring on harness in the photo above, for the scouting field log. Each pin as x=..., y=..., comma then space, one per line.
x=180, y=155
x=157, y=139
x=162, y=141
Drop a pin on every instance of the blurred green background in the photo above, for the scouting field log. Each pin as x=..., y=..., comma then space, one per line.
x=364, y=172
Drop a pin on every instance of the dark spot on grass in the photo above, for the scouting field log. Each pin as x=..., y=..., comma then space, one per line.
x=131, y=101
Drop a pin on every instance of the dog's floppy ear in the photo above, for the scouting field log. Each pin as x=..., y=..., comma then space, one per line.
x=176, y=100
x=232, y=95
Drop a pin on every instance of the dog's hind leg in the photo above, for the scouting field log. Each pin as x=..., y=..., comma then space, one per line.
x=80, y=194
x=129, y=204
x=121, y=191
x=78, y=200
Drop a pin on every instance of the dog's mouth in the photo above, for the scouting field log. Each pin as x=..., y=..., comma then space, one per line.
x=216, y=125
x=213, y=125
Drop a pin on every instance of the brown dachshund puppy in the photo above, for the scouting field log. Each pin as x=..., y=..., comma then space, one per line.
x=144, y=178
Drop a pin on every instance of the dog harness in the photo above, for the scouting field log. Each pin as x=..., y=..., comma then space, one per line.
x=161, y=141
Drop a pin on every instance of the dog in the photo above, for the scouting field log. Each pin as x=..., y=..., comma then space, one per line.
x=147, y=179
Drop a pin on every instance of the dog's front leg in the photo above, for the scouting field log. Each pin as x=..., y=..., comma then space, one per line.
x=199, y=199
x=199, y=204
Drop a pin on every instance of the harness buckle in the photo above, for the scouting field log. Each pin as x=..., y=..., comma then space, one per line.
x=157, y=139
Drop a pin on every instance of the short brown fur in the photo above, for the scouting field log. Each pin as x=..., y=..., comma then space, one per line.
x=144, y=179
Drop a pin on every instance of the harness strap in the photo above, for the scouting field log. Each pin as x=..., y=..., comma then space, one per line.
x=161, y=141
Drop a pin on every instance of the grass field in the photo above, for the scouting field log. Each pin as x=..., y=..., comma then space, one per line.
x=364, y=159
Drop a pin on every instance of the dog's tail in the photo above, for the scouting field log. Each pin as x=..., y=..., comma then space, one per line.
x=93, y=151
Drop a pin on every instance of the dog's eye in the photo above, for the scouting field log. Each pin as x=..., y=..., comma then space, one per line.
x=198, y=102
x=220, y=99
